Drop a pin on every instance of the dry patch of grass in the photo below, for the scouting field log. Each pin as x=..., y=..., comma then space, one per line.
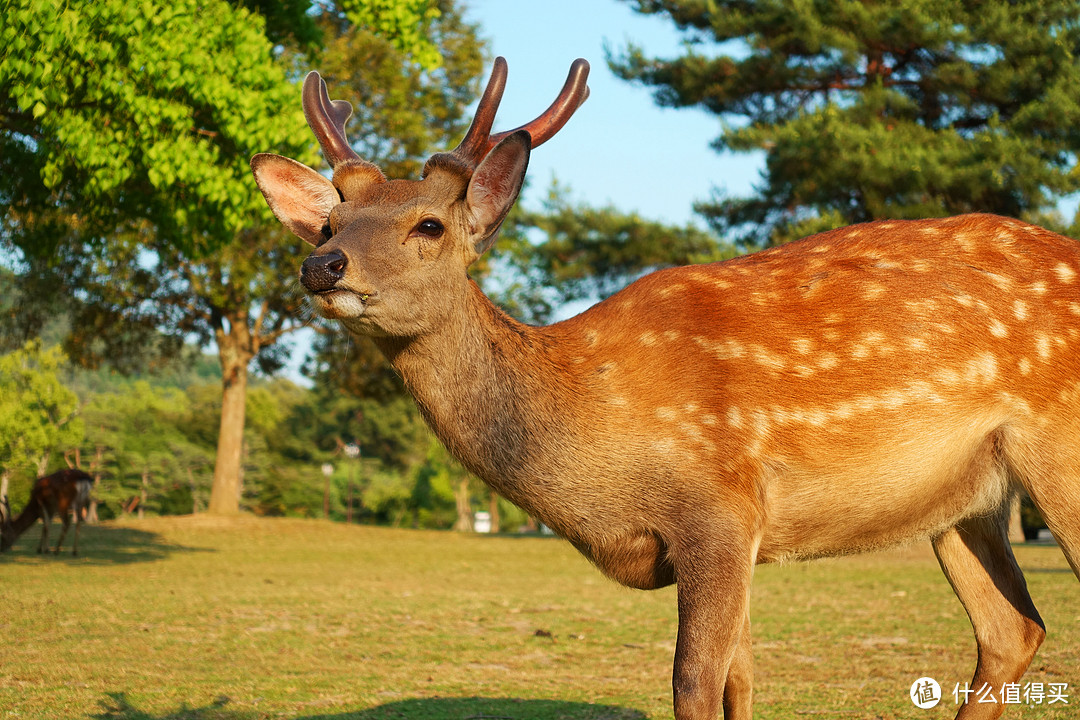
x=201, y=618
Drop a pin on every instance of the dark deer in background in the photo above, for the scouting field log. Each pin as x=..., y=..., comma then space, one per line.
x=860, y=388
x=62, y=494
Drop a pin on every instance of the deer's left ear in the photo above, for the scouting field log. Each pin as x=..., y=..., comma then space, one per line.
x=494, y=187
x=298, y=196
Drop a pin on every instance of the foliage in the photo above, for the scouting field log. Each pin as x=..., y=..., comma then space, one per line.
x=109, y=114
x=584, y=252
x=38, y=415
x=137, y=439
x=135, y=212
x=407, y=23
x=869, y=110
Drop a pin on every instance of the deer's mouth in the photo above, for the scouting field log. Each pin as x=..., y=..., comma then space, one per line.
x=340, y=303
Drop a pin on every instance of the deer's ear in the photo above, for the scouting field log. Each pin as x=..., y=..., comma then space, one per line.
x=298, y=196
x=494, y=187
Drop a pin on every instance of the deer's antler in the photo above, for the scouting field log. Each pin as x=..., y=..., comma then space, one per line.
x=478, y=140
x=327, y=118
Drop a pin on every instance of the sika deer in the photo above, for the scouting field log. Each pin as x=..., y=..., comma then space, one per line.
x=860, y=388
x=60, y=494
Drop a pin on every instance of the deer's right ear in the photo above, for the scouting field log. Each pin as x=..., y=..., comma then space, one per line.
x=494, y=187
x=298, y=196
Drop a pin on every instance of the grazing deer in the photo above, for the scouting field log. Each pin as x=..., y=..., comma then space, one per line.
x=60, y=494
x=854, y=390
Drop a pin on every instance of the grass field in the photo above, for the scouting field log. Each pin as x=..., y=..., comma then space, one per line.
x=249, y=618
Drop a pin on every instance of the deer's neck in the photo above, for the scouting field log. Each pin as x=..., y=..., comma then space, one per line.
x=26, y=518
x=494, y=392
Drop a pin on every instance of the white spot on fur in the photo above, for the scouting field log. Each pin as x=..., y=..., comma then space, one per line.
x=1042, y=346
x=982, y=368
x=1024, y=365
x=669, y=289
x=803, y=346
x=827, y=361
x=729, y=349
x=1038, y=288
x=873, y=290
x=1064, y=273
x=763, y=356
x=647, y=338
x=665, y=413
x=998, y=329
x=918, y=344
x=1020, y=309
x=734, y=417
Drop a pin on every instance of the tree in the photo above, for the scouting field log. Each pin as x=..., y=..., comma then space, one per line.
x=586, y=252
x=871, y=110
x=164, y=233
x=37, y=413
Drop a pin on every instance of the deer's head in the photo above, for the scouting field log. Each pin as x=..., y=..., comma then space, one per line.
x=385, y=249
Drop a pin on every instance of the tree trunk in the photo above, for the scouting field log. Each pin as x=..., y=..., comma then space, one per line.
x=493, y=510
x=143, y=494
x=95, y=470
x=225, y=492
x=5, y=476
x=43, y=463
x=464, y=509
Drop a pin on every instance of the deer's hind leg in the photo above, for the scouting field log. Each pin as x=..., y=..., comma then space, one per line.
x=1050, y=472
x=46, y=520
x=978, y=561
x=66, y=518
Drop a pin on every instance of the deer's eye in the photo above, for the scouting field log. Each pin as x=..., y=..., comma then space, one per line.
x=431, y=228
x=327, y=232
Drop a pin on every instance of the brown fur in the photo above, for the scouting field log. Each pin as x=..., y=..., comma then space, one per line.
x=58, y=495
x=864, y=387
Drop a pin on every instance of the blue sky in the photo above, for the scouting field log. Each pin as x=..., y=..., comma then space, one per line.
x=620, y=148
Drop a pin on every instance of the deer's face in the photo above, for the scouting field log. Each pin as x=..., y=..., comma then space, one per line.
x=390, y=256
x=393, y=246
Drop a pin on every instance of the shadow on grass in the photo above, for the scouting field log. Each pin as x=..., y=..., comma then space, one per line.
x=117, y=707
x=98, y=545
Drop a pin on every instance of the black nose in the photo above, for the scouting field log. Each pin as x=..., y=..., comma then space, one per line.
x=320, y=273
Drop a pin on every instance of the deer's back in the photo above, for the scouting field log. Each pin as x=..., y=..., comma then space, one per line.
x=879, y=359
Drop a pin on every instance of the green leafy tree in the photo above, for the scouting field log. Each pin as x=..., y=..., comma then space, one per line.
x=881, y=109
x=586, y=252
x=114, y=111
x=38, y=415
x=132, y=197
x=136, y=437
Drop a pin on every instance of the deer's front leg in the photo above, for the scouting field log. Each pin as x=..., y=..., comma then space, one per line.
x=713, y=578
x=739, y=688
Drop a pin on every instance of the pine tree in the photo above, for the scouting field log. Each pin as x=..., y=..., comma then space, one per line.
x=868, y=110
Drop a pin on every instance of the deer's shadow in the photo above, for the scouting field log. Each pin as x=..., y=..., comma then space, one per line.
x=98, y=545
x=118, y=707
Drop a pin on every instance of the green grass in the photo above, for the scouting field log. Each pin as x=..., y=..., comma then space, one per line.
x=200, y=618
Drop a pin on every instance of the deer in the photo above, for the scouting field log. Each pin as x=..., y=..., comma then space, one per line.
x=61, y=494
x=874, y=385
